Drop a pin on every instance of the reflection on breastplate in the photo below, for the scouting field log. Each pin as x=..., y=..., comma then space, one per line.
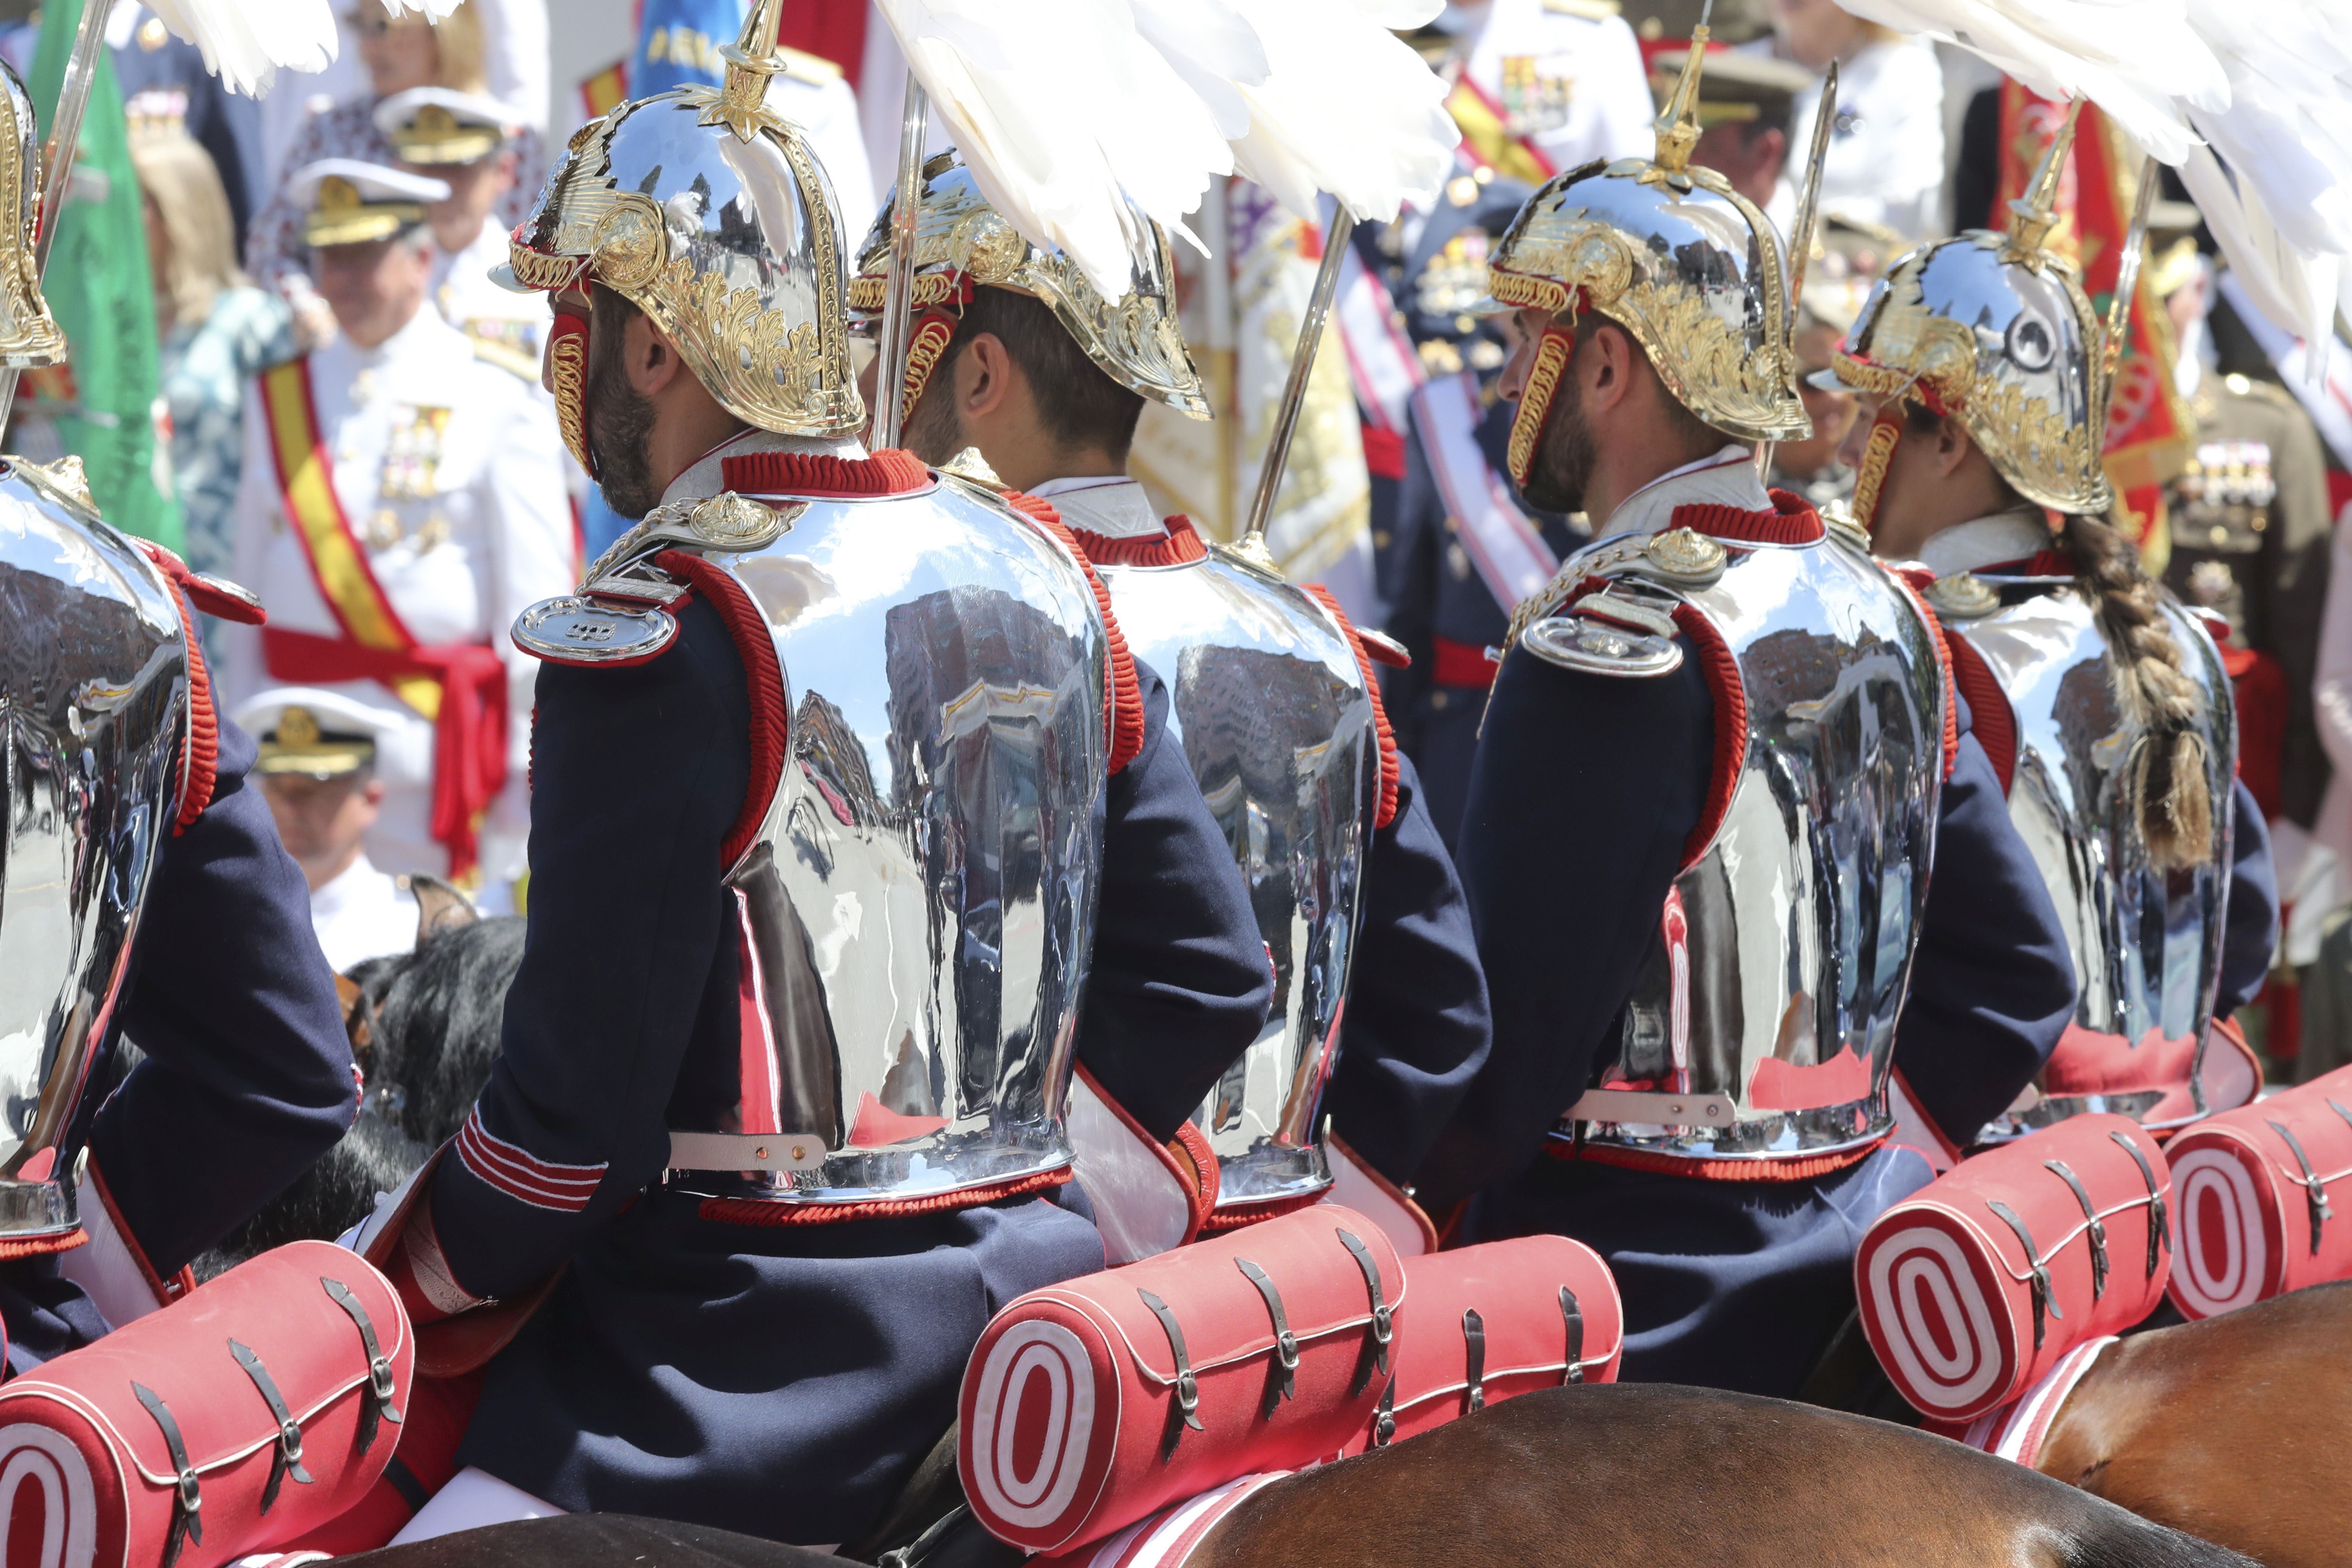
x=915, y=914
x=2146, y=945
x=1270, y=706
x=1762, y=1025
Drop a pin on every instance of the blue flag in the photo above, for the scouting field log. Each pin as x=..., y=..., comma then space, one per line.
x=678, y=43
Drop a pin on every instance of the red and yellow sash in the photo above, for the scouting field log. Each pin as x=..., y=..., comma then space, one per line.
x=1486, y=139
x=338, y=560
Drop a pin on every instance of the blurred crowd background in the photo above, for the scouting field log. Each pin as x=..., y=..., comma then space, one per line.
x=183, y=271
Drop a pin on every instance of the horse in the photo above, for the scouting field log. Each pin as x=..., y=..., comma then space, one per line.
x=1588, y=1477
x=2234, y=1428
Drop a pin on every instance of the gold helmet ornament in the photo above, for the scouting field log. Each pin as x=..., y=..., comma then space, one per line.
x=1993, y=329
x=30, y=337
x=708, y=212
x=962, y=243
x=1692, y=269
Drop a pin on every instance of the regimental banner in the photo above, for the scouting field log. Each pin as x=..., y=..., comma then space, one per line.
x=2150, y=435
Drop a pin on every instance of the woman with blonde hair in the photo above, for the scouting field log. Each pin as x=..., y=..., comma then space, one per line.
x=218, y=331
x=400, y=53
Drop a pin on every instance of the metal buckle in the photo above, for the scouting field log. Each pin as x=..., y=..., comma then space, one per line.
x=380, y=1388
x=1384, y=1420
x=187, y=1503
x=2315, y=1190
x=1181, y=1414
x=1575, y=1318
x=2098, y=1231
x=2040, y=1278
x=1384, y=1326
x=1282, y=1373
x=288, y=1460
x=1474, y=1353
x=2156, y=1238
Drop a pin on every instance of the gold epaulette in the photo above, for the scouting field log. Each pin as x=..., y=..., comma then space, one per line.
x=1589, y=10
x=506, y=356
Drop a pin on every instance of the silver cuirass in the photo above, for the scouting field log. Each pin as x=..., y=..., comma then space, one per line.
x=94, y=692
x=915, y=913
x=2147, y=943
x=1762, y=1025
x=1270, y=705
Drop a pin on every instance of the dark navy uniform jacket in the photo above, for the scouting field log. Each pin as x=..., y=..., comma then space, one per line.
x=1447, y=616
x=247, y=1077
x=1584, y=790
x=2250, y=923
x=1416, y=1029
x=778, y=1380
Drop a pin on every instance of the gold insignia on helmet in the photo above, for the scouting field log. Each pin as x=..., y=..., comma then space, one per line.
x=30, y=337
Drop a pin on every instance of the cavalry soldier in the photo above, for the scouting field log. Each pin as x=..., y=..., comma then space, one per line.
x=465, y=140
x=1273, y=700
x=1717, y=757
x=317, y=771
x=2104, y=706
x=147, y=896
x=780, y=1090
x=402, y=501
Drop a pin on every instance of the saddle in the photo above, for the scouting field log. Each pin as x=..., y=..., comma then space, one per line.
x=1972, y=1289
x=2255, y=1187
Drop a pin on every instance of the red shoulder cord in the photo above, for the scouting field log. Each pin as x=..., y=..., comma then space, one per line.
x=1943, y=663
x=815, y=475
x=1995, y=723
x=771, y=725
x=1389, y=779
x=1790, y=520
x=200, y=763
x=1123, y=725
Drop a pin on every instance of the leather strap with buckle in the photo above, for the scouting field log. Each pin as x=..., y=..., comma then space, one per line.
x=1282, y=1373
x=2098, y=1231
x=1184, y=1412
x=288, y=1459
x=2315, y=1190
x=1383, y=1324
x=2044, y=1302
x=1473, y=1357
x=379, y=1405
x=188, y=1502
x=1574, y=1317
x=2157, y=1240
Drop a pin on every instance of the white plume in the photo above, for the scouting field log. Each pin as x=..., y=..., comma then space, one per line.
x=1060, y=107
x=2267, y=84
x=244, y=42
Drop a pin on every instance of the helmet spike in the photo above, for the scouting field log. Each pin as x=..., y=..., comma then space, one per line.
x=2033, y=216
x=750, y=59
x=1677, y=125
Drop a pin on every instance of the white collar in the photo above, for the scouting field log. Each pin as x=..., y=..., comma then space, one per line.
x=355, y=885
x=1985, y=542
x=422, y=328
x=1111, y=505
x=1727, y=478
x=704, y=476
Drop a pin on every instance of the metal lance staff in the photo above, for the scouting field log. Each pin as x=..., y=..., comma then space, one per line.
x=1293, y=391
x=898, y=299
x=1801, y=234
x=56, y=163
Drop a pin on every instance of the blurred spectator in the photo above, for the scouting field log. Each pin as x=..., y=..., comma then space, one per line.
x=1848, y=258
x=1886, y=162
x=1745, y=105
x=218, y=331
x=163, y=77
x=400, y=54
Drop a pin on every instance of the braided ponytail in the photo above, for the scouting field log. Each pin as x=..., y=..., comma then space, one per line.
x=2170, y=796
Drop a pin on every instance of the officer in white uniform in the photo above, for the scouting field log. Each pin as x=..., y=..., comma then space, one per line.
x=1560, y=80
x=402, y=501
x=318, y=772
x=463, y=139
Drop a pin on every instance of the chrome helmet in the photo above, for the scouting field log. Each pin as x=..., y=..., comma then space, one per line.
x=710, y=212
x=961, y=242
x=1687, y=264
x=1995, y=330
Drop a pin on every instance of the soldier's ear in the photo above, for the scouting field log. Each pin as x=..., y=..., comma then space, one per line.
x=986, y=379
x=1952, y=445
x=652, y=359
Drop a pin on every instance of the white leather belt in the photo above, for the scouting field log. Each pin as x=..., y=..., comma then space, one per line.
x=1653, y=1109
x=745, y=1151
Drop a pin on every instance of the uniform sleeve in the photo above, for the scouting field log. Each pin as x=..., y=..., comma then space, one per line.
x=2298, y=553
x=247, y=1077
x=1180, y=984
x=641, y=772
x=2249, y=928
x=1416, y=1029
x=1585, y=789
x=1992, y=983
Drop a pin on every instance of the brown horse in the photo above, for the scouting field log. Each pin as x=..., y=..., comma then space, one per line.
x=1597, y=1476
x=2235, y=1428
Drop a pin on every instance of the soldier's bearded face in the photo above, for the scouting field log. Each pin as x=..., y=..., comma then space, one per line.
x=620, y=420
x=1565, y=454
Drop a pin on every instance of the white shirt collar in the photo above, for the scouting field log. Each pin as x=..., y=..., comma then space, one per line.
x=1727, y=478
x=1985, y=542
x=1108, y=504
x=704, y=478
x=422, y=327
x=357, y=884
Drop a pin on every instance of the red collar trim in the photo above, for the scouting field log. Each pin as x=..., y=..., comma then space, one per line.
x=1790, y=520
x=1178, y=545
x=890, y=472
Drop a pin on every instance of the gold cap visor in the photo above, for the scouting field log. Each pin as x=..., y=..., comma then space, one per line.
x=358, y=225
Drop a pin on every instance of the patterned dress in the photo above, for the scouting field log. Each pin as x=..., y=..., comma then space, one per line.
x=205, y=368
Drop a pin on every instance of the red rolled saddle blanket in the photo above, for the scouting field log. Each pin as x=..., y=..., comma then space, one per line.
x=251, y=1411
x=1973, y=1288
x=2255, y=1187
x=1090, y=1404
x=1492, y=1321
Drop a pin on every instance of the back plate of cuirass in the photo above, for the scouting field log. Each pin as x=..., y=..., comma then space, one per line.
x=1270, y=706
x=2146, y=945
x=920, y=897
x=1772, y=994
x=93, y=714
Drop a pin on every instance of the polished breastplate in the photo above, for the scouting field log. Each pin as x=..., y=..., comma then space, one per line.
x=94, y=714
x=1761, y=1026
x=2146, y=945
x=1271, y=711
x=914, y=915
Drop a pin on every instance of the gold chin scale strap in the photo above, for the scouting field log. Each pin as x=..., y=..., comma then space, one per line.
x=1535, y=399
x=1871, y=476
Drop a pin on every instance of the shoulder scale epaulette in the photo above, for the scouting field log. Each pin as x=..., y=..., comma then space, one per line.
x=1589, y=10
x=506, y=356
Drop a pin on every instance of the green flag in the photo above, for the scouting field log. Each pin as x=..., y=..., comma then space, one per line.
x=98, y=288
